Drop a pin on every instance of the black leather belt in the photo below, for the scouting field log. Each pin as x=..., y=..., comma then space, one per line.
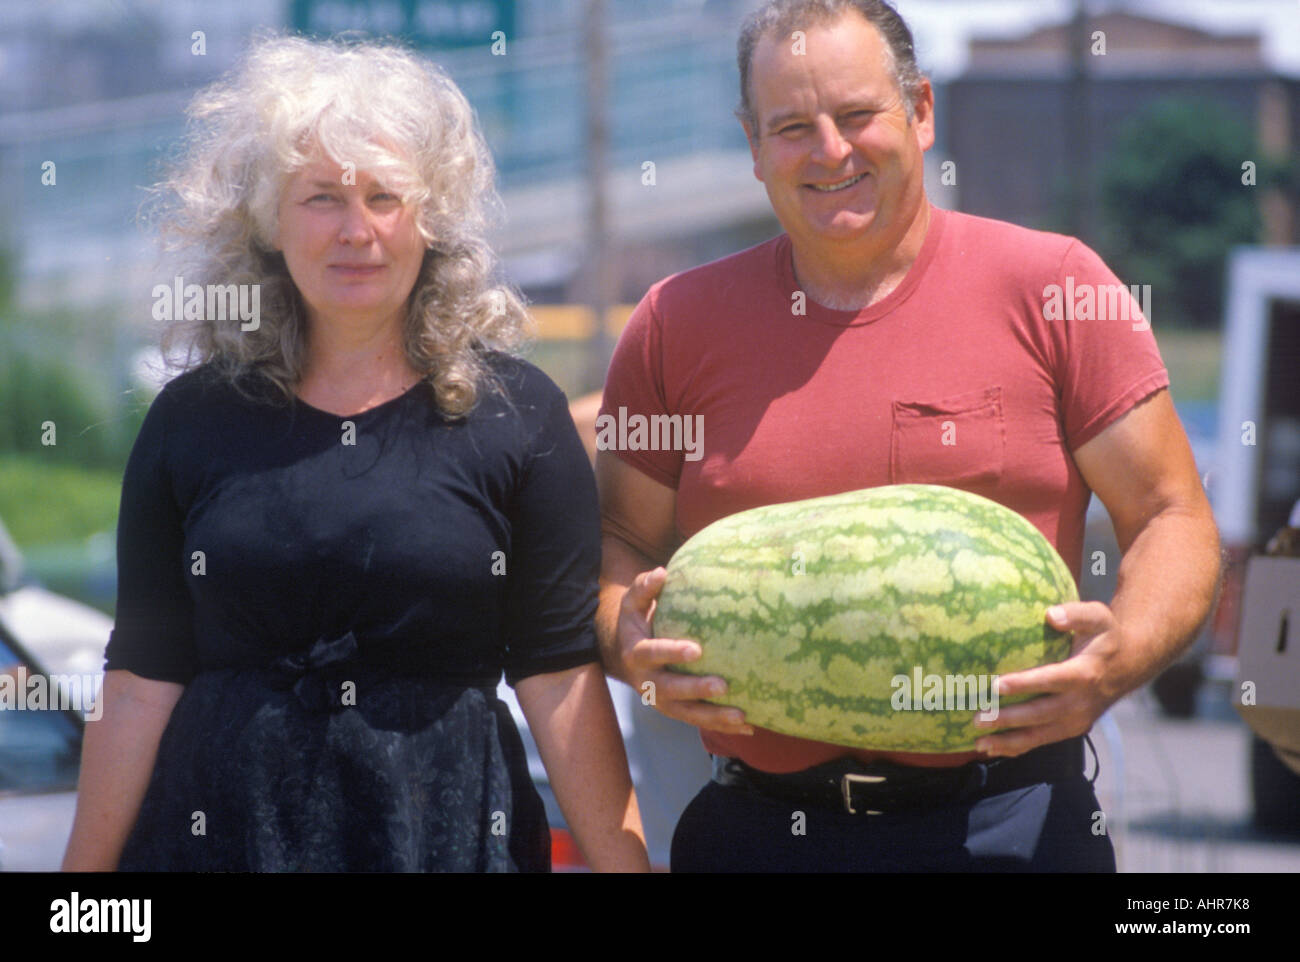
x=880, y=787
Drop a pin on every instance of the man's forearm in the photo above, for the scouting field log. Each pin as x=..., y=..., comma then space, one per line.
x=1167, y=583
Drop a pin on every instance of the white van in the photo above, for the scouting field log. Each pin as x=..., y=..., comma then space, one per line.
x=1257, y=463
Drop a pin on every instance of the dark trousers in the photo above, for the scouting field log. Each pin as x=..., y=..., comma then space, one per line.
x=1048, y=827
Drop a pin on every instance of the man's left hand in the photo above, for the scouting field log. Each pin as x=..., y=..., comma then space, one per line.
x=1077, y=690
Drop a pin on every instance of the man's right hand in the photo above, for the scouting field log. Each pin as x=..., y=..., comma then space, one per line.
x=642, y=662
x=638, y=522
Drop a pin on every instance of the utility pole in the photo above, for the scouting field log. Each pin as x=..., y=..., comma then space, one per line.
x=600, y=259
x=1078, y=133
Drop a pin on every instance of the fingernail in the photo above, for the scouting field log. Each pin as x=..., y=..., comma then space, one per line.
x=717, y=688
x=1056, y=612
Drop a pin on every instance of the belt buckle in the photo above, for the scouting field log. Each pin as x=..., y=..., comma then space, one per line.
x=846, y=787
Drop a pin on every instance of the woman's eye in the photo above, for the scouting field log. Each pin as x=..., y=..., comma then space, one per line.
x=318, y=197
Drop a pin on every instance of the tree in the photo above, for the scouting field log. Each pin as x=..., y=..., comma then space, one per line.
x=1173, y=204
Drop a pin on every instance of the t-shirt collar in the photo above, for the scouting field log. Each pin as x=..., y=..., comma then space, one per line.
x=824, y=315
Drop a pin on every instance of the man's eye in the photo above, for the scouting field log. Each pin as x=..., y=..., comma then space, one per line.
x=792, y=129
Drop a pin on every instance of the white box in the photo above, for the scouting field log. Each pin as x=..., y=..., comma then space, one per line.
x=1268, y=654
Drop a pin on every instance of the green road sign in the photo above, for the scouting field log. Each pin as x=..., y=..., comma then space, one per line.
x=424, y=23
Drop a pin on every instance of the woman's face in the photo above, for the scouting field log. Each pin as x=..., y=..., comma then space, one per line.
x=351, y=246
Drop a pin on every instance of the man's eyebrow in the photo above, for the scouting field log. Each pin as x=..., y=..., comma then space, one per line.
x=779, y=119
x=851, y=106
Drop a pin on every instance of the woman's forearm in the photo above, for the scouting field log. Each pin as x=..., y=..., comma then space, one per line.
x=572, y=720
x=117, y=759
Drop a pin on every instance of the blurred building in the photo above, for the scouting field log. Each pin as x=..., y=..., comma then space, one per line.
x=97, y=88
x=1014, y=103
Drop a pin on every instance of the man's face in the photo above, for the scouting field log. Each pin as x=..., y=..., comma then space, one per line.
x=832, y=117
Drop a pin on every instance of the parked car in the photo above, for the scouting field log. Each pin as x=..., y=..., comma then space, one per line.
x=41, y=633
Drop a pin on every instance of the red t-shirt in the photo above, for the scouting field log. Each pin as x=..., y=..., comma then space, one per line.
x=798, y=405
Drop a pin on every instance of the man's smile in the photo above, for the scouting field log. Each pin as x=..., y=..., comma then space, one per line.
x=842, y=185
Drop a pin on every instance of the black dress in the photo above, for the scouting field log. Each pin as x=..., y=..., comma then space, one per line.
x=340, y=597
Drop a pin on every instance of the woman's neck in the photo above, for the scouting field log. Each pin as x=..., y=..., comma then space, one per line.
x=353, y=368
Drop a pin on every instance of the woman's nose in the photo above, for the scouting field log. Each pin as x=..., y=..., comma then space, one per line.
x=356, y=227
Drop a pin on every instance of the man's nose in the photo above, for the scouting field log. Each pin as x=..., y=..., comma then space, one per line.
x=829, y=146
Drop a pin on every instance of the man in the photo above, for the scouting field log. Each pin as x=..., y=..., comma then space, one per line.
x=882, y=340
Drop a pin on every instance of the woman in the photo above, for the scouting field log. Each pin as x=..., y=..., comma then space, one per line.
x=349, y=515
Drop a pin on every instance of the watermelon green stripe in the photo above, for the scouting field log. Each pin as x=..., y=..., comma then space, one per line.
x=810, y=609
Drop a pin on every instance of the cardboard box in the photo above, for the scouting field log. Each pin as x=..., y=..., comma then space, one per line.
x=1268, y=654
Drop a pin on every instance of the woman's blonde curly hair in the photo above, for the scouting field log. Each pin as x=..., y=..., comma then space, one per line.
x=390, y=113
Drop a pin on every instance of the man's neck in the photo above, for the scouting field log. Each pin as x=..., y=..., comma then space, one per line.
x=847, y=278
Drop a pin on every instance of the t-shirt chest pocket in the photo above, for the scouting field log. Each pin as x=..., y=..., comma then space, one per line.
x=959, y=438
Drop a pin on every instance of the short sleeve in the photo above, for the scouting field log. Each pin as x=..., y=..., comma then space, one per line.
x=1110, y=361
x=635, y=386
x=554, y=563
x=153, y=631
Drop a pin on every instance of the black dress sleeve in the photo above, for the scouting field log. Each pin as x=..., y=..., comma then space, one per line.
x=153, y=632
x=552, y=584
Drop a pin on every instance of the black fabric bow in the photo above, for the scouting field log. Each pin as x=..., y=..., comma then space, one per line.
x=309, y=672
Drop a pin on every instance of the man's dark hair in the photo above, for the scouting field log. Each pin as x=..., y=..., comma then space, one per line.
x=782, y=17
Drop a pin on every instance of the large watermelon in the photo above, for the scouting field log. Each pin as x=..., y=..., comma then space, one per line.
x=813, y=611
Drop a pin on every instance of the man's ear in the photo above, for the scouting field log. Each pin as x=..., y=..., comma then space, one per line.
x=923, y=115
x=752, y=138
